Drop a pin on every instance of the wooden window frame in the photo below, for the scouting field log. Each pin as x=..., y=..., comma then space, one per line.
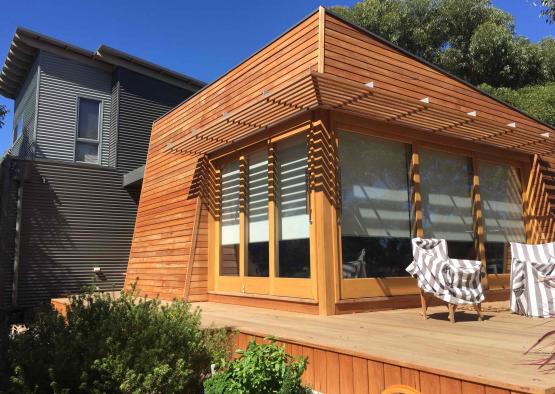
x=301, y=288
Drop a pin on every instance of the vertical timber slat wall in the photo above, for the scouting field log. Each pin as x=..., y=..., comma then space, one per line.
x=335, y=372
x=158, y=259
x=540, y=195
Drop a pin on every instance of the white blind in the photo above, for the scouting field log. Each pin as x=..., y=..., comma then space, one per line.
x=230, y=204
x=292, y=166
x=501, y=193
x=258, y=197
x=446, y=200
x=374, y=187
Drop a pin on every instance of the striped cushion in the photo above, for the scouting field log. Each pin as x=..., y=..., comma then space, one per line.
x=455, y=281
x=533, y=279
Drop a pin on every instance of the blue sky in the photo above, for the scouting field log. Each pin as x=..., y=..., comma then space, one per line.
x=200, y=39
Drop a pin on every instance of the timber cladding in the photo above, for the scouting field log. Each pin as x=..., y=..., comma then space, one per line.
x=170, y=251
x=163, y=232
x=333, y=371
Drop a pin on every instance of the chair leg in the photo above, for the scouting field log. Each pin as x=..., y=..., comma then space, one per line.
x=452, y=308
x=479, y=311
x=424, y=302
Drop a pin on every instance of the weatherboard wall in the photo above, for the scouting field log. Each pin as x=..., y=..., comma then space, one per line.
x=62, y=81
x=163, y=232
x=140, y=101
x=25, y=108
x=74, y=217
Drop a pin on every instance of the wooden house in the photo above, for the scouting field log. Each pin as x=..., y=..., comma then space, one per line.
x=297, y=179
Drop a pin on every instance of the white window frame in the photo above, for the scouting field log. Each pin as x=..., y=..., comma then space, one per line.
x=98, y=141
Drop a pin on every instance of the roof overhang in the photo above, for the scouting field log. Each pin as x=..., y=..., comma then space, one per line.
x=319, y=90
x=26, y=44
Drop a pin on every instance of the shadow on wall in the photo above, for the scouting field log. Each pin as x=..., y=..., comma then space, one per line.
x=75, y=218
x=45, y=240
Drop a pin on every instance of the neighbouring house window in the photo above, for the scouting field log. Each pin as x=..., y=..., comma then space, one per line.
x=229, y=218
x=375, y=224
x=88, y=131
x=446, y=183
x=501, y=196
x=18, y=129
x=294, y=234
x=258, y=228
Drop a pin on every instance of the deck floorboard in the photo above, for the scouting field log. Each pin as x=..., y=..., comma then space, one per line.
x=488, y=352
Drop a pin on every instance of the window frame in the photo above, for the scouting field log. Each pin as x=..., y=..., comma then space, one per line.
x=98, y=141
x=17, y=130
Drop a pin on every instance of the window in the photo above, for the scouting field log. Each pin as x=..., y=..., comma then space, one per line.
x=501, y=196
x=446, y=184
x=18, y=128
x=258, y=227
x=88, y=131
x=230, y=229
x=376, y=225
x=294, y=244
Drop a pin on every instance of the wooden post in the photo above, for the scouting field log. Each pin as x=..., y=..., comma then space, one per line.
x=323, y=188
x=191, y=261
x=478, y=221
x=416, y=196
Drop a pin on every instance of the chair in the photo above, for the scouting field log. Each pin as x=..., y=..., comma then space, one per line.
x=533, y=279
x=455, y=281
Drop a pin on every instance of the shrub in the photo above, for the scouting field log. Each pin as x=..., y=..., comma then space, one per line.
x=264, y=368
x=115, y=345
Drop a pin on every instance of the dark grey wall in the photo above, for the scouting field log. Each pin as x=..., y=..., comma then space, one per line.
x=75, y=217
x=141, y=100
x=62, y=81
x=8, y=213
x=25, y=107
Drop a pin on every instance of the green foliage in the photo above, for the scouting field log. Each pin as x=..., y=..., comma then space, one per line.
x=115, y=345
x=537, y=101
x=548, y=9
x=3, y=112
x=470, y=38
x=264, y=368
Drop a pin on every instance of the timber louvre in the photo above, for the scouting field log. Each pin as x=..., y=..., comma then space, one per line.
x=322, y=76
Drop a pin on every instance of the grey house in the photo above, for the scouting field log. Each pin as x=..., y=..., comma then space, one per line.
x=70, y=185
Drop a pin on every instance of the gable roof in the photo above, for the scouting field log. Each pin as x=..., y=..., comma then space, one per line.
x=26, y=44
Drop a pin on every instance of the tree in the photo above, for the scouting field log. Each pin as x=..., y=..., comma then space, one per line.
x=3, y=112
x=549, y=10
x=536, y=100
x=469, y=38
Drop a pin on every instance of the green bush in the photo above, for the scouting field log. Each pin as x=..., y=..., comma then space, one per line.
x=264, y=368
x=114, y=345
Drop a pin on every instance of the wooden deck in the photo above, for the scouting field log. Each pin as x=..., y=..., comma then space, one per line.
x=367, y=352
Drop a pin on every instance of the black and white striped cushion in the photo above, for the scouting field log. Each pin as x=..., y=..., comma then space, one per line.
x=455, y=281
x=533, y=279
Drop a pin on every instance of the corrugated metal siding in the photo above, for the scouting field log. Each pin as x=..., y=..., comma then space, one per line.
x=8, y=203
x=62, y=81
x=26, y=105
x=142, y=100
x=75, y=217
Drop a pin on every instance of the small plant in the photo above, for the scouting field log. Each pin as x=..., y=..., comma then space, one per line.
x=261, y=368
x=125, y=344
x=548, y=357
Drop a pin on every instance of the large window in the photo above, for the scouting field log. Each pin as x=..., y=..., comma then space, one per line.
x=230, y=226
x=258, y=228
x=375, y=225
x=294, y=245
x=446, y=184
x=88, y=131
x=501, y=196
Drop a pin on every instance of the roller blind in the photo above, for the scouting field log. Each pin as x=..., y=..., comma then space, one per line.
x=258, y=197
x=500, y=190
x=292, y=167
x=446, y=200
x=374, y=187
x=230, y=204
